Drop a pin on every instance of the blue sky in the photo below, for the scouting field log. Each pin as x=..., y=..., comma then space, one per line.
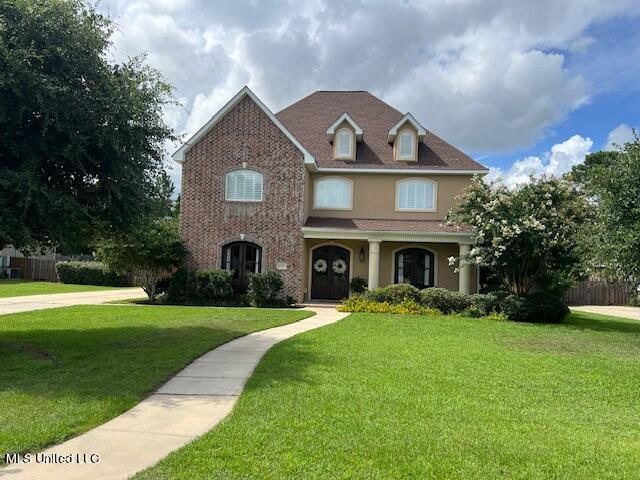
x=524, y=87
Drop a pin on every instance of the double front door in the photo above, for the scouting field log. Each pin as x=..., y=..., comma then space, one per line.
x=330, y=273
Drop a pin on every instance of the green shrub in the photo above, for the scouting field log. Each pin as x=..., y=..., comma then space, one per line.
x=360, y=303
x=393, y=293
x=444, y=300
x=176, y=293
x=497, y=317
x=486, y=303
x=473, y=312
x=266, y=289
x=358, y=285
x=209, y=287
x=518, y=309
x=90, y=273
x=547, y=308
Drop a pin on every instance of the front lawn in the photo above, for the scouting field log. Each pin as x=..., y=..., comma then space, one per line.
x=402, y=396
x=64, y=371
x=19, y=288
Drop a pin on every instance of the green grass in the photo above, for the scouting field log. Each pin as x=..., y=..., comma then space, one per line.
x=19, y=288
x=64, y=371
x=392, y=396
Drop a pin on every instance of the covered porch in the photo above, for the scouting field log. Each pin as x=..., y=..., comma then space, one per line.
x=382, y=252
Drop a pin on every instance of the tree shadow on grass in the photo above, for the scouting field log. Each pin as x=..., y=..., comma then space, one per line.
x=601, y=323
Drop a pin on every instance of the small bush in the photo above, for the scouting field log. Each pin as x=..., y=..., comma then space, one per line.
x=358, y=285
x=177, y=290
x=486, y=303
x=497, y=317
x=473, y=312
x=518, y=309
x=90, y=273
x=266, y=288
x=209, y=287
x=547, y=308
x=393, y=293
x=360, y=303
x=445, y=300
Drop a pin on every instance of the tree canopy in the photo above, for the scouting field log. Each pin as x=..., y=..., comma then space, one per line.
x=525, y=236
x=612, y=182
x=81, y=138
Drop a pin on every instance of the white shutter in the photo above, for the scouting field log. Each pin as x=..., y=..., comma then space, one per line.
x=332, y=193
x=243, y=186
x=416, y=195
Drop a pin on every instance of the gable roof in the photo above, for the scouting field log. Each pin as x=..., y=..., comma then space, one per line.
x=179, y=154
x=346, y=118
x=307, y=120
x=393, y=131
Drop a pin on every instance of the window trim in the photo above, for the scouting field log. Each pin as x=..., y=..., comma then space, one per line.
x=421, y=247
x=414, y=145
x=226, y=188
x=418, y=179
x=352, y=141
x=315, y=193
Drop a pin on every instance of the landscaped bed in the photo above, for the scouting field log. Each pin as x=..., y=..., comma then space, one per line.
x=64, y=371
x=19, y=288
x=410, y=396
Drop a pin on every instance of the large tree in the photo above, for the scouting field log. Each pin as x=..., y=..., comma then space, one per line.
x=612, y=181
x=526, y=236
x=81, y=138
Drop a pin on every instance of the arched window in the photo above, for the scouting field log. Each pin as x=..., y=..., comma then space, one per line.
x=406, y=145
x=243, y=186
x=243, y=258
x=344, y=141
x=416, y=195
x=332, y=193
x=415, y=266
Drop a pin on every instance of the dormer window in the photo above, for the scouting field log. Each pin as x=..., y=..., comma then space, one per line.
x=344, y=133
x=406, y=145
x=405, y=137
x=344, y=143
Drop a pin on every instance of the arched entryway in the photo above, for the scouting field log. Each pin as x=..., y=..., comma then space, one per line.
x=330, y=270
x=415, y=266
x=243, y=258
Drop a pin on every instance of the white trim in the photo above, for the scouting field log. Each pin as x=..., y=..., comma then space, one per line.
x=179, y=154
x=324, y=244
x=426, y=180
x=315, y=190
x=388, y=236
x=345, y=117
x=391, y=135
x=412, y=154
x=414, y=245
x=351, y=154
x=407, y=171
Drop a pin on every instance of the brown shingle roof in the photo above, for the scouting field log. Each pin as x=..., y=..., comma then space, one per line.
x=373, y=225
x=309, y=118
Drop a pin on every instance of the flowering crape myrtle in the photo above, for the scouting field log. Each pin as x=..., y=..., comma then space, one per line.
x=525, y=235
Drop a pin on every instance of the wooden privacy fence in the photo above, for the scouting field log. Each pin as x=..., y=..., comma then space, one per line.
x=35, y=269
x=593, y=292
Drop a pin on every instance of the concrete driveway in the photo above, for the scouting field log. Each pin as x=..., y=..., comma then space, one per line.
x=40, y=302
x=613, y=310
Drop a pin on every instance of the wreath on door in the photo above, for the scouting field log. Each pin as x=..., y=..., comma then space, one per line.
x=339, y=266
x=320, y=265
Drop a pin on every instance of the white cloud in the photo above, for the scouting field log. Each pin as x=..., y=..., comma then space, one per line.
x=617, y=137
x=559, y=160
x=488, y=76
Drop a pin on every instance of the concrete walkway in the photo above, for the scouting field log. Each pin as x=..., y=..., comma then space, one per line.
x=187, y=406
x=614, y=310
x=40, y=302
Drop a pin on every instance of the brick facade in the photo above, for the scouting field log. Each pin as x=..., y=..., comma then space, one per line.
x=245, y=138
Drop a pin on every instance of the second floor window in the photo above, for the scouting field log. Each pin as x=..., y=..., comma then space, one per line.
x=332, y=193
x=243, y=186
x=406, y=145
x=416, y=195
x=344, y=149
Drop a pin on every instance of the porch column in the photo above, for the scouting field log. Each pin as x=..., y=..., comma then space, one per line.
x=374, y=264
x=464, y=277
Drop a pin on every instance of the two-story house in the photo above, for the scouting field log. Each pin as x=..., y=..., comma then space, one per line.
x=337, y=185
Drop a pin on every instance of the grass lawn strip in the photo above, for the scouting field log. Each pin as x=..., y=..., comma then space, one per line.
x=20, y=288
